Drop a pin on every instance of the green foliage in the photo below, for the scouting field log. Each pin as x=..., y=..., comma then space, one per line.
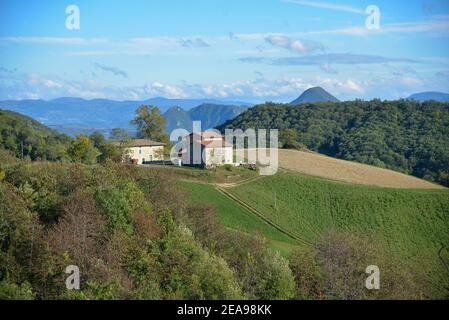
x=82, y=150
x=192, y=271
x=267, y=276
x=12, y=291
x=108, y=150
x=119, y=135
x=27, y=138
x=150, y=124
x=406, y=136
x=289, y=139
x=118, y=203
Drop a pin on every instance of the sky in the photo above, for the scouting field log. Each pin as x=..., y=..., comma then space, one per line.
x=245, y=50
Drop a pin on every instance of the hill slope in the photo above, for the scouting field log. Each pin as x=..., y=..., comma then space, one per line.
x=318, y=165
x=410, y=224
x=20, y=133
x=425, y=96
x=316, y=94
x=405, y=136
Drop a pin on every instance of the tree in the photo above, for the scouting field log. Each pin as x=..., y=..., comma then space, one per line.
x=150, y=124
x=289, y=139
x=108, y=150
x=82, y=150
x=119, y=135
x=97, y=139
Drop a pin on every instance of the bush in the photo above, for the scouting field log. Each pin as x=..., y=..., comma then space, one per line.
x=335, y=269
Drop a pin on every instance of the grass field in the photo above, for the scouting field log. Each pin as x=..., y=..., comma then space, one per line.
x=411, y=224
x=346, y=171
x=236, y=217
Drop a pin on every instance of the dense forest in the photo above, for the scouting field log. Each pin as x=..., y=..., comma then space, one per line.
x=406, y=136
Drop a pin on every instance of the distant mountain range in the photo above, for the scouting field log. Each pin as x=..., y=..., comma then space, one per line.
x=424, y=96
x=210, y=115
x=75, y=115
x=316, y=94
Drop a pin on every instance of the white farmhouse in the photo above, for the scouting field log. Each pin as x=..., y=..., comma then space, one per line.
x=141, y=151
x=206, y=149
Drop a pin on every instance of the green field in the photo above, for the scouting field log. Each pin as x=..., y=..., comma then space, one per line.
x=235, y=217
x=411, y=224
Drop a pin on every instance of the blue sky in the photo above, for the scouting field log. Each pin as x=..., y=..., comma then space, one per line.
x=252, y=50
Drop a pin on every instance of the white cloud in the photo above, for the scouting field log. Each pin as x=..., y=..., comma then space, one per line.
x=295, y=45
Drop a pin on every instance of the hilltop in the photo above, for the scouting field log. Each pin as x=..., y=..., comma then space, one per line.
x=316, y=94
x=425, y=96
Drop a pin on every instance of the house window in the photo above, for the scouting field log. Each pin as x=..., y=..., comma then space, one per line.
x=140, y=151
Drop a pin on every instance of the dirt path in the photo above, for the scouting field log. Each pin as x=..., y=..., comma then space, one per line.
x=239, y=183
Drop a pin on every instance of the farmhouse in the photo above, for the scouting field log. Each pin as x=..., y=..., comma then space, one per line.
x=206, y=149
x=141, y=151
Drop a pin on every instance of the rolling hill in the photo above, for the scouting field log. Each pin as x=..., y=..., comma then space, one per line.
x=316, y=94
x=318, y=165
x=292, y=210
x=426, y=96
x=24, y=135
x=410, y=224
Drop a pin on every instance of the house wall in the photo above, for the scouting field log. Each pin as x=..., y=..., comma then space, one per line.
x=146, y=154
x=219, y=156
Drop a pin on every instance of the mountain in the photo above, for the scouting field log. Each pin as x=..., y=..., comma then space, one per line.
x=164, y=104
x=177, y=117
x=425, y=96
x=210, y=115
x=76, y=115
x=312, y=95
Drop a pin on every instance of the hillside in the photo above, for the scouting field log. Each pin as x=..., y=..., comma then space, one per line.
x=318, y=165
x=405, y=136
x=411, y=224
x=19, y=133
x=316, y=94
x=425, y=96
